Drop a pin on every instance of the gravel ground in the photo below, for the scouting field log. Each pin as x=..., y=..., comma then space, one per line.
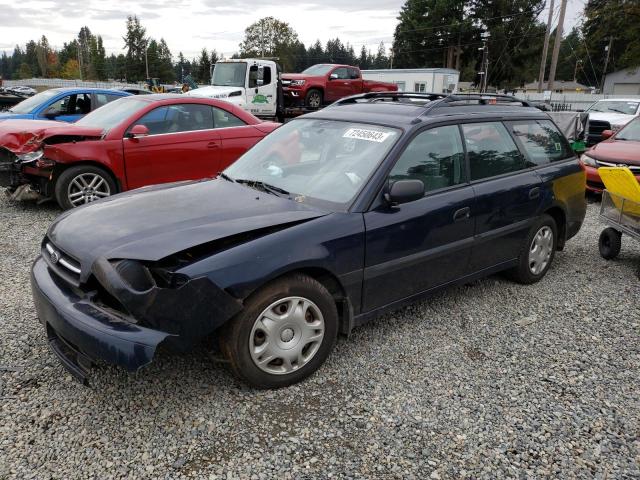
x=488, y=380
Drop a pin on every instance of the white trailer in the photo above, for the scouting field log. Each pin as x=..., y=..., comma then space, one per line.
x=421, y=80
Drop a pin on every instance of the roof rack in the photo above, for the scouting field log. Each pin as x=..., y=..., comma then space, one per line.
x=434, y=100
x=372, y=97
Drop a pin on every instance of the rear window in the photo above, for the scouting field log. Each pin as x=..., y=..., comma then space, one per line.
x=540, y=140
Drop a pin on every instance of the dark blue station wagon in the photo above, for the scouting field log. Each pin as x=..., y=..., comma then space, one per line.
x=365, y=206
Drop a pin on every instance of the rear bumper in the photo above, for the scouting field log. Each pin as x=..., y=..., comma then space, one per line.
x=80, y=333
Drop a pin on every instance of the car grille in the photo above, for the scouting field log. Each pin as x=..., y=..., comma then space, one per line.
x=596, y=127
x=635, y=169
x=61, y=263
x=286, y=83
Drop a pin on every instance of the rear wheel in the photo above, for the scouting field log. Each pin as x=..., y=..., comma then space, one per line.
x=610, y=243
x=313, y=98
x=83, y=184
x=284, y=334
x=537, y=251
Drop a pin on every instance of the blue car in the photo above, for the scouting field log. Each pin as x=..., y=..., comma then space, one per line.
x=337, y=216
x=62, y=104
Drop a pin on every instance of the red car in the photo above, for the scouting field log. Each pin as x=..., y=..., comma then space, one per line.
x=619, y=150
x=326, y=83
x=126, y=144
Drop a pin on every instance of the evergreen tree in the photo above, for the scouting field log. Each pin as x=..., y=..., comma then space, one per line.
x=135, y=44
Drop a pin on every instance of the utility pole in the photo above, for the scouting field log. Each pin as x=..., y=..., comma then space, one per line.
x=80, y=60
x=146, y=58
x=545, y=48
x=556, y=45
x=485, y=62
x=606, y=64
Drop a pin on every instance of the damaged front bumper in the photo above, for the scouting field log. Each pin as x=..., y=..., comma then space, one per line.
x=82, y=331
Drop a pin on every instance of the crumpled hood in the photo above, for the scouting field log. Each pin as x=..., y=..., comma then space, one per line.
x=154, y=222
x=621, y=151
x=27, y=135
x=214, y=91
x=611, y=117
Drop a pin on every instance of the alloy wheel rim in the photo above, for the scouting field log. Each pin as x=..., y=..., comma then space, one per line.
x=314, y=100
x=540, y=250
x=86, y=188
x=286, y=335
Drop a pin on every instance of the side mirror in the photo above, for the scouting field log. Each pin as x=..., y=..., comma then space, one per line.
x=579, y=110
x=404, y=191
x=607, y=134
x=138, y=131
x=333, y=76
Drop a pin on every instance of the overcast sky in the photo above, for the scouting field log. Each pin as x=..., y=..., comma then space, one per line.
x=189, y=25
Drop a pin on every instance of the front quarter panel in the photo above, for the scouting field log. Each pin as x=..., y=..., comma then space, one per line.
x=333, y=243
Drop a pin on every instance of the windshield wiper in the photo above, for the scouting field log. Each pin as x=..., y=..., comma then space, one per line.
x=226, y=177
x=265, y=187
x=617, y=111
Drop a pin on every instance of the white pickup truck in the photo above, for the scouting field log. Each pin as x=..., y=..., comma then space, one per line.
x=610, y=114
x=250, y=83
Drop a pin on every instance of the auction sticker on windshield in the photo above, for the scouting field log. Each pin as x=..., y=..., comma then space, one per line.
x=366, y=134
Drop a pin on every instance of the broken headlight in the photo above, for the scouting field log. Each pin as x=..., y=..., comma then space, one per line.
x=30, y=156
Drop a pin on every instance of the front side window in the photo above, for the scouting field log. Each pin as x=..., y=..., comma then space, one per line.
x=434, y=157
x=491, y=150
x=322, y=162
x=177, y=118
x=353, y=74
x=541, y=140
x=79, y=104
x=341, y=73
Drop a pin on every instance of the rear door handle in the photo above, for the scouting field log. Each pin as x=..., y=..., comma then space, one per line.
x=534, y=193
x=462, y=214
x=212, y=145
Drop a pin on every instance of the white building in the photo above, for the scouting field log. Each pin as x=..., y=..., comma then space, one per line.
x=430, y=80
x=623, y=82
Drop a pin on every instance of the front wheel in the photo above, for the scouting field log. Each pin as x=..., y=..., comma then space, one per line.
x=284, y=334
x=83, y=184
x=537, y=251
x=313, y=99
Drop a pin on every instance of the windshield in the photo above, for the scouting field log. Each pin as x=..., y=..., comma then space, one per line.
x=28, y=105
x=318, y=70
x=630, y=132
x=229, y=74
x=322, y=162
x=113, y=113
x=628, y=108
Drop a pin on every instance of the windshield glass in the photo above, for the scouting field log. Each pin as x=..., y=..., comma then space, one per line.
x=630, y=132
x=229, y=74
x=28, y=105
x=318, y=70
x=628, y=108
x=113, y=113
x=322, y=162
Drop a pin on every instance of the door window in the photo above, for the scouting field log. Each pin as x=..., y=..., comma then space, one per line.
x=253, y=76
x=224, y=119
x=178, y=118
x=76, y=104
x=264, y=76
x=353, y=74
x=491, y=150
x=435, y=157
x=541, y=140
x=104, y=98
x=342, y=73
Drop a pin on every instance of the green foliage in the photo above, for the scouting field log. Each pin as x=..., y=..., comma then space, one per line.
x=135, y=44
x=270, y=37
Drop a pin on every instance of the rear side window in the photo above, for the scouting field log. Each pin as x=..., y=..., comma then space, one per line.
x=224, y=119
x=540, y=140
x=104, y=98
x=491, y=150
x=434, y=157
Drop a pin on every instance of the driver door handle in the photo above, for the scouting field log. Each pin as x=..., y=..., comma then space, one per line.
x=534, y=193
x=212, y=145
x=462, y=214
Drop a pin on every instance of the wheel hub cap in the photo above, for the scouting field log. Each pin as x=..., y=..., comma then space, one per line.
x=286, y=335
x=540, y=250
x=87, y=187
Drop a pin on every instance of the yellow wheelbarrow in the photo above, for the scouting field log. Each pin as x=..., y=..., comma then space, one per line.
x=620, y=209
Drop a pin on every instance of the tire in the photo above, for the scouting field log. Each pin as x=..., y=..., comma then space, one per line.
x=246, y=340
x=610, y=243
x=532, y=266
x=314, y=98
x=83, y=184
